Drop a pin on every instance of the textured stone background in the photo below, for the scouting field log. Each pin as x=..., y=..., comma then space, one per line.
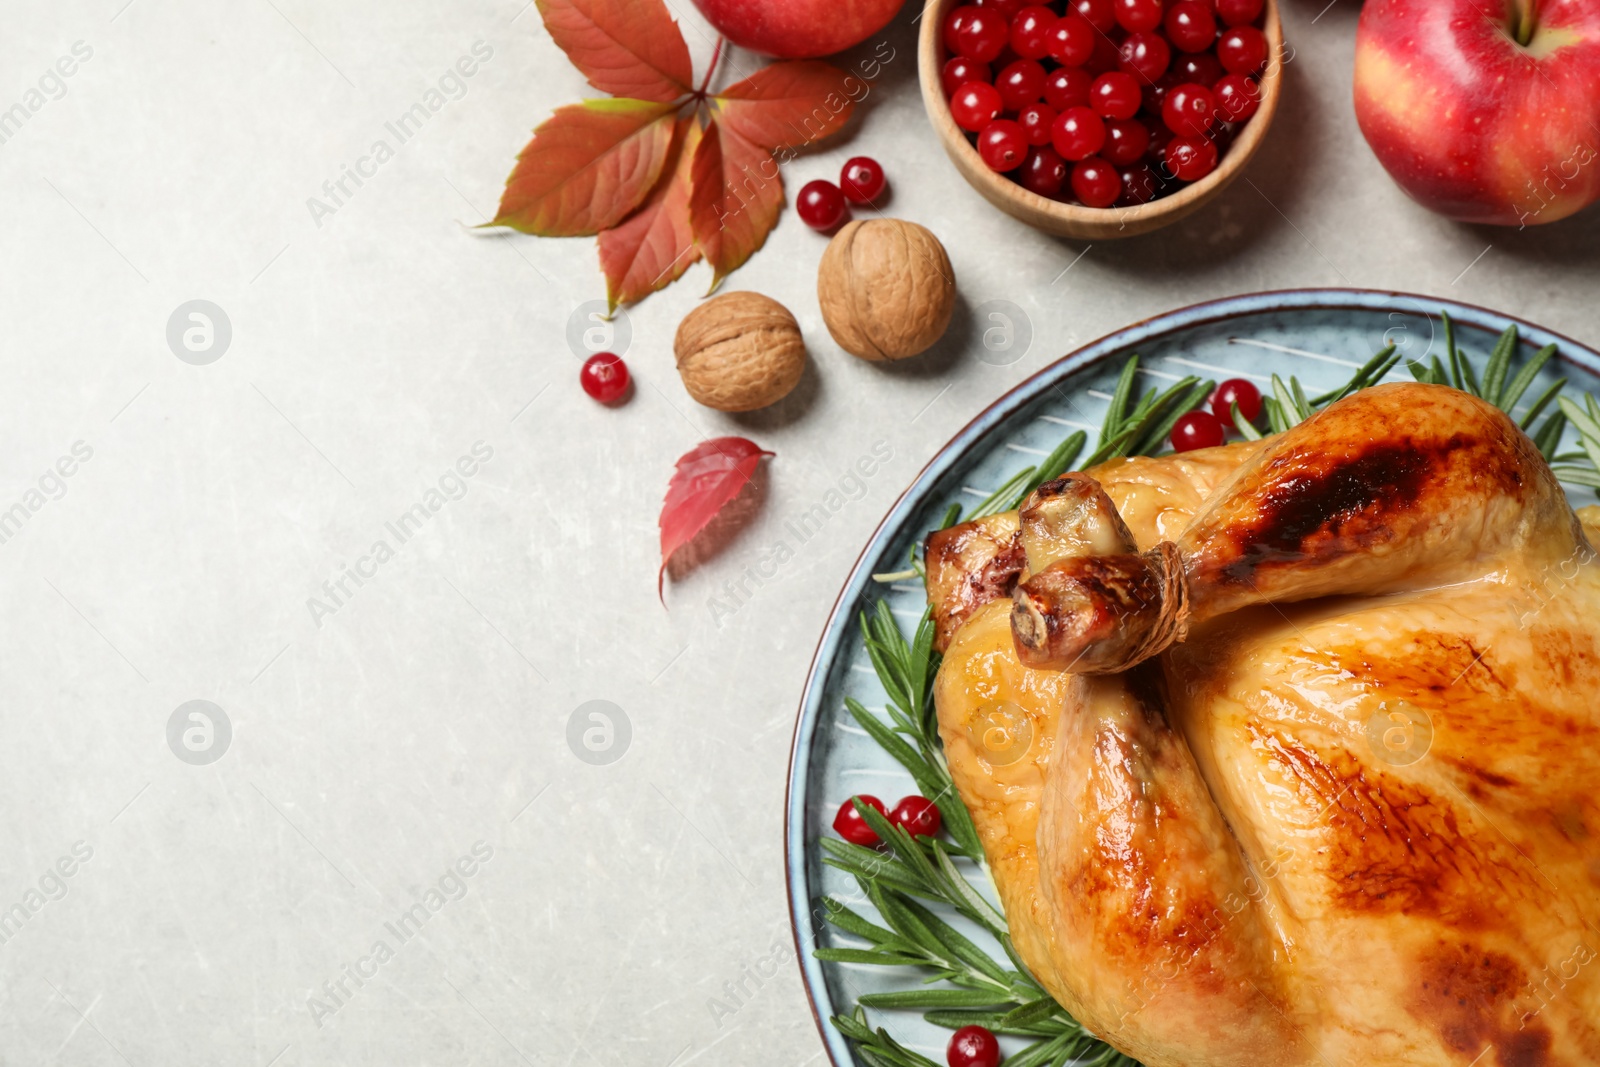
x=376, y=746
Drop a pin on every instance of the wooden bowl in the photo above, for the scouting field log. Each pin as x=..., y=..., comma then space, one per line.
x=1074, y=220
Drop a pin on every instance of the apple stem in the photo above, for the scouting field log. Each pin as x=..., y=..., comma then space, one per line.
x=1523, y=23
x=712, y=69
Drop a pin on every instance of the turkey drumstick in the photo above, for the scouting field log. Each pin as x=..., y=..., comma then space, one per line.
x=1397, y=487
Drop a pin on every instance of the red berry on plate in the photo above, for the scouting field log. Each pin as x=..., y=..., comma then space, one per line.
x=1137, y=16
x=1190, y=159
x=1003, y=145
x=975, y=32
x=1020, y=84
x=1144, y=55
x=1138, y=185
x=1197, y=429
x=959, y=70
x=1115, y=95
x=917, y=816
x=1242, y=50
x=1189, y=110
x=1043, y=172
x=1238, y=98
x=1006, y=9
x=1190, y=26
x=604, y=377
x=1036, y=121
x=821, y=205
x=1126, y=141
x=1095, y=182
x=1236, y=391
x=862, y=181
x=1072, y=40
x=975, y=105
x=973, y=1046
x=1100, y=13
x=849, y=824
x=1201, y=68
x=1030, y=31
x=1237, y=12
x=1078, y=133
x=1067, y=87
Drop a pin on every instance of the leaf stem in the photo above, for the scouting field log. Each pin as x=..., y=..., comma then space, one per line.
x=705, y=83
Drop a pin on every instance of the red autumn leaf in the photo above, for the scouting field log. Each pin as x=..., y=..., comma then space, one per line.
x=735, y=199
x=786, y=104
x=587, y=167
x=706, y=480
x=656, y=244
x=624, y=47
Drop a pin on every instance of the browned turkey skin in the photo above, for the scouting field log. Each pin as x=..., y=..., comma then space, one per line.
x=1284, y=753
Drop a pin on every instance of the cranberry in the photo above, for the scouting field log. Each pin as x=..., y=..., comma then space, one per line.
x=1190, y=26
x=1078, y=133
x=1236, y=391
x=1197, y=429
x=1036, y=121
x=1030, y=31
x=1138, y=185
x=1126, y=140
x=1238, y=98
x=1043, y=172
x=1238, y=12
x=1189, y=110
x=975, y=105
x=1020, y=84
x=1115, y=95
x=1242, y=50
x=1003, y=145
x=1100, y=13
x=1072, y=40
x=917, y=815
x=1104, y=57
x=959, y=70
x=1095, y=182
x=1160, y=137
x=849, y=824
x=1006, y=9
x=1067, y=87
x=975, y=32
x=862, y=181
x=1201, y=68
x=1137, y=16
x=973, y=1046
x=1190, y=159
x=1145, y=55
x=604, y=377
x=821, y=205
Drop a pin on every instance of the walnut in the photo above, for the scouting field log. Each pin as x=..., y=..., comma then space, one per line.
x=886, y=288
x=739, y=352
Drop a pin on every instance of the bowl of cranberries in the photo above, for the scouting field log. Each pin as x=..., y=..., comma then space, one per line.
x=1100, y=118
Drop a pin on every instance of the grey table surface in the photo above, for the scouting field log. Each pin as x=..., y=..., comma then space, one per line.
x=404, y=740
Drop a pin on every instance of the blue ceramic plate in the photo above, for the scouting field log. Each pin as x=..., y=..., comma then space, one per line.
x=1318, y=335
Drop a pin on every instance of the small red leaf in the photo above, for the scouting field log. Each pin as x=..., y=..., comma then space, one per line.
x=706, y=480
x=624, y=47
x=587, y=167
x=736, y=196
x=655, y=245
x=785, y=105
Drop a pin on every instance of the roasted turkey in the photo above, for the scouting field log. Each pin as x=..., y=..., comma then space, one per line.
x=1286, y=752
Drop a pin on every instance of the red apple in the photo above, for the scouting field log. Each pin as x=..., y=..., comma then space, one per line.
x=1484, y=110
x=798, y=29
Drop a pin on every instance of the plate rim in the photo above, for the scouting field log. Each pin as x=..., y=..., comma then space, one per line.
x=837, y=623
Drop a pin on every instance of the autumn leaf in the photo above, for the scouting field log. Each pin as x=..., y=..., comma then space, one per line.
x=735, y=199
x=786, y=104
x=656, y=244
x=706, y=480
x=626, y=48
x=587, y=167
